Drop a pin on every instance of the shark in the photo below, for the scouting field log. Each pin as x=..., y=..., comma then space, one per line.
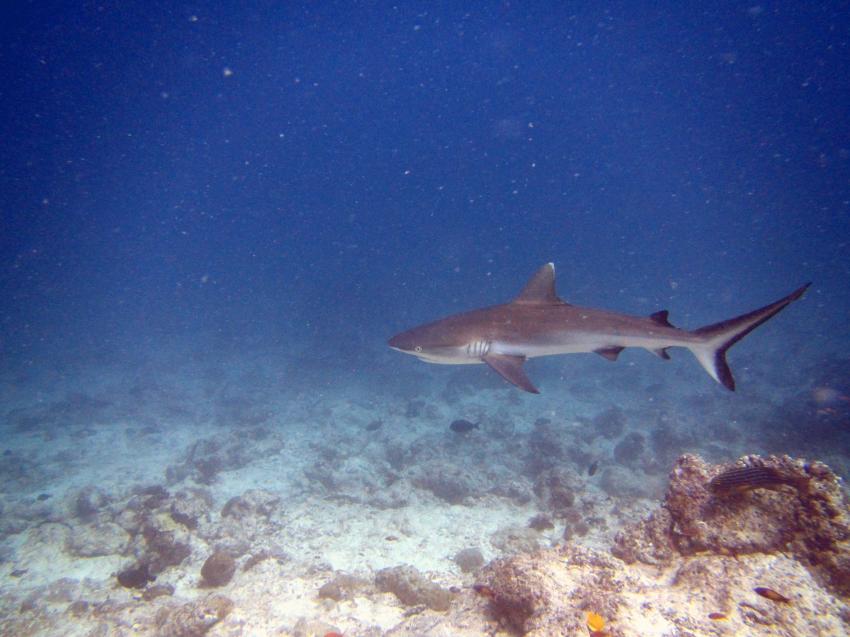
x=538, y=323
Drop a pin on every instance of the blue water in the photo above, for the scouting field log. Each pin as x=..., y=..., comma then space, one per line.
x=253, y=200
x=339, y=171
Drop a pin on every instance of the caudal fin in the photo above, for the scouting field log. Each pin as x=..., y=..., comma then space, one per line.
x=718, y=338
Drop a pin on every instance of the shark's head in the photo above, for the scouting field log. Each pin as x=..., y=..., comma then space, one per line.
x=432, y=343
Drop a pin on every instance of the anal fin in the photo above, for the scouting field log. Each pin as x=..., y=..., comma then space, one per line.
x=611, y=353
x=510, y=368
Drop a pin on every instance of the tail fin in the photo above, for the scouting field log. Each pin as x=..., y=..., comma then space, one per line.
x=717, y=338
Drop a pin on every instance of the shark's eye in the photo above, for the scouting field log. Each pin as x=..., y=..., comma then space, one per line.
x=418, y=348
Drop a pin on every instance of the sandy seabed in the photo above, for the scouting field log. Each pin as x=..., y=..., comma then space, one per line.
x=339, y=508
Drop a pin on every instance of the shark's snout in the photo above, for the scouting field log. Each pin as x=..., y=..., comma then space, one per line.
x=409, y=342
x=400, y=342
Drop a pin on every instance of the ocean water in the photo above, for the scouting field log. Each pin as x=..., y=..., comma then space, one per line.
x=213, y=218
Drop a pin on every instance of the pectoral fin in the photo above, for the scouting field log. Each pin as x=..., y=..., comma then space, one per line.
x=510, y=368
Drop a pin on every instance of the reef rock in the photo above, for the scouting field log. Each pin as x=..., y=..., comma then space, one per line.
x=556, y=490
x=808, y=518
x=208, y=457
x=135, y=576
x=247, y=523
x=89, y=501
x=191, y=506
x=551, y=592
x=159, y=547
x=545, y=593
x=218, y=569
x=469, y=560
x=619, y=482
x=342, y=586
x=193, y=619
x=95, y=540
x=254, y=503
x=412, y=588
x=511, y=540
x=449, y=483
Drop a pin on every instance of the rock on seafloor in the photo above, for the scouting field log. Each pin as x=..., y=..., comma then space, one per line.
x=218, y=569
x=194, y=618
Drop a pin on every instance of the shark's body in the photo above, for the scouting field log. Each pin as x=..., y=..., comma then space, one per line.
x=538, y=323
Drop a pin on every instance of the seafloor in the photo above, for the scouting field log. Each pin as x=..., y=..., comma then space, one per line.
x=246, y=490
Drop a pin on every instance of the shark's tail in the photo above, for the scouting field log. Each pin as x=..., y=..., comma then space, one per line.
x=716, y=339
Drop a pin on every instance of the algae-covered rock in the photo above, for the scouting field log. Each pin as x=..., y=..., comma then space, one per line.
x=193, y=619
x=190, y=507
x=342, y=586
x=547, y=592
x=469, y=560
x=89, y=501
x=162, y=547
x=556, y=490
x=135, y=576
x=647, y=540
x=412, y=588
x=511, y=540
x=313, y=628
x=254, y=503
x=94, y=540
x=805, y=513
x=218, y=569
x=449, y=483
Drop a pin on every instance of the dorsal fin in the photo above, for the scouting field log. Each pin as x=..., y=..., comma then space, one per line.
x=540, y=289
x=660, y=317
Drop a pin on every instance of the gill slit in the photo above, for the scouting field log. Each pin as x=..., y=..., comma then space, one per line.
x=478, y=349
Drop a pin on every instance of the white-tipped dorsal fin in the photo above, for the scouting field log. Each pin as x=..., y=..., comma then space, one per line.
x=540, y=289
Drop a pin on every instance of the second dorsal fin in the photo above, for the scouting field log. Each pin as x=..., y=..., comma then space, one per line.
x=660, y=317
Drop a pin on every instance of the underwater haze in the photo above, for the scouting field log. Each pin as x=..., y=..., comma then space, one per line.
x=214, y=216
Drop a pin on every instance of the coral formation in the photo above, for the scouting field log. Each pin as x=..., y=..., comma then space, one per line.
x=342, y=586
x=609, y=423
x=190, y=507
x=541, y=522
x=412, y=588
x=556, y=490
x=449, y=483
x=218, y=569
x=89, y=501
x=811, y=522
x=515, y=539
x=161, y=548
x=96, y=540
x=208, y=457
x=135, y=576
x=469, y=560
x=540, y=594
x=629, y=450
x=192, y=619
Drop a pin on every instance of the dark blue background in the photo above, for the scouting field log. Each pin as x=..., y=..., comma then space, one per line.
x=339, y=171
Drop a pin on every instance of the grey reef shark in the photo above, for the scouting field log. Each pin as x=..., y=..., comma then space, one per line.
x=538, y=323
